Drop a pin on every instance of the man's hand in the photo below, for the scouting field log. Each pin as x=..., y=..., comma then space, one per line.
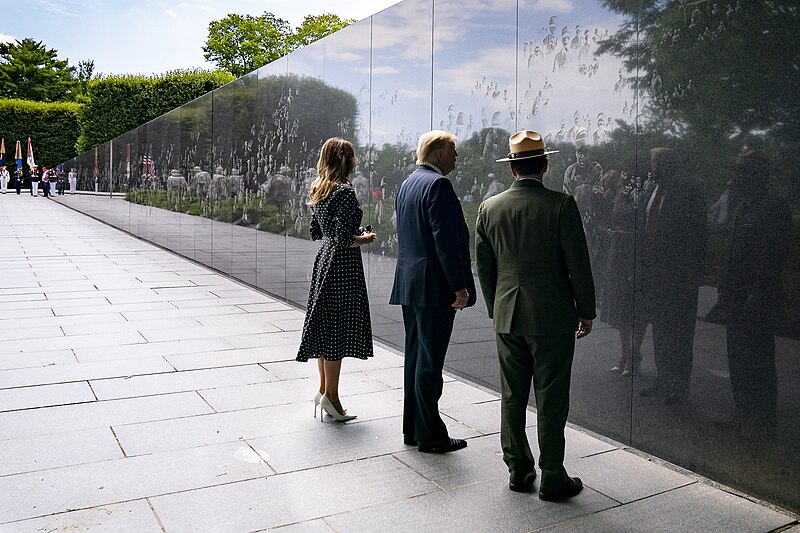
x=461, y=299
x=584, y=327
x=363, y=240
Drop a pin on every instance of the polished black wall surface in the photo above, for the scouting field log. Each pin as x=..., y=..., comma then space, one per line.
x=677, y=126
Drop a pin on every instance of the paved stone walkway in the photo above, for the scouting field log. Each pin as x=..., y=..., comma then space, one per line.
x=141, y=392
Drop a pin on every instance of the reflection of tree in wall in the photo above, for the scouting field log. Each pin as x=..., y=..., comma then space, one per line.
x=301, y=113
x=720, y=75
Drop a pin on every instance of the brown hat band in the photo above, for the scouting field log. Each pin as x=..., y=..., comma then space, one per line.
x=529, y=153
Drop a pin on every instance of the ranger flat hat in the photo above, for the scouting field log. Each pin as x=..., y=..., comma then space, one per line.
x=525, y=144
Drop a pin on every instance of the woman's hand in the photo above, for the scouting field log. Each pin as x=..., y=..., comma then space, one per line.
x=361, y=240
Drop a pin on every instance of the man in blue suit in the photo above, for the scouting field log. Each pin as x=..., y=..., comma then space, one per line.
x=432, y=281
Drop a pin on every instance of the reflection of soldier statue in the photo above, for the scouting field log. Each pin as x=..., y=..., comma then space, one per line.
x=236, y=184
x=199, y=183
x=495, y=187
x=219, y=184
x=361, y=187
x=583, y=177
x=278, y=188
x=176, y=184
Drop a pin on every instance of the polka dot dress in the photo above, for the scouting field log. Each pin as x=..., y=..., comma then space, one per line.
x=337, y=323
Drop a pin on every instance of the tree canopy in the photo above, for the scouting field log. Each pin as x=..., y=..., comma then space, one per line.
x=31, y=71
x=239, y=44
x=315, y=27
x=727, y=69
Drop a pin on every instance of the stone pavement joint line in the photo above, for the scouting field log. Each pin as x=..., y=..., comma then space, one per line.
x=142, y=392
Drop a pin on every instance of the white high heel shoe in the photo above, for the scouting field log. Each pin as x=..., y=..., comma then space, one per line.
x=326, y=405
x=316, y=399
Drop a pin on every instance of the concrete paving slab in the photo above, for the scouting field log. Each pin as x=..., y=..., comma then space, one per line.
x=289, y=498
x=129, y=325
x=43, y=452
x=624, y=476
x=281, y=392
x=70, y=342
x=44, y=395
x=196, y=312
x=343, y=442
x=206, y=332
x=82, y=372
x=100, y=306
x=311, y=526
x=205, y=430
x=150, y=349
x=487, y=506
x=243, y=356
x=693, y=508
x=266, y=340
x=37, y=359
x=128, y=517
x=30, y=495
x=59, y=419
x=107, y=389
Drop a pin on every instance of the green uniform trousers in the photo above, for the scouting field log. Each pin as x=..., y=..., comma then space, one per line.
x=547, y=362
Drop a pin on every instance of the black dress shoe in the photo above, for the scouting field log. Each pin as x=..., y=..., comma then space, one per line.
x=408, y=440
x=521, y=482
x=449, y=445
x=569, y=490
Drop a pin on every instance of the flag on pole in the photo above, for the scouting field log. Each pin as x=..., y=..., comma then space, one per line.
x=128, y=161
x=2, y=152
x=18, y=156
x=31, y=162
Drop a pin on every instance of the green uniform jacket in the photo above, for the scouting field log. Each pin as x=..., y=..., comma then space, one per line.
x=533, y=262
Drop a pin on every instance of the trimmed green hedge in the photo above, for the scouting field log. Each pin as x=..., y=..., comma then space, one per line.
x=117, y=104
x=52, y=127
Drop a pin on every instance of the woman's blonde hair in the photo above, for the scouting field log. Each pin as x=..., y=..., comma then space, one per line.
x=337, y=160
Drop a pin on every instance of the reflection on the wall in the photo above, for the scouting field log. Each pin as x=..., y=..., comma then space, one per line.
x=680, y=148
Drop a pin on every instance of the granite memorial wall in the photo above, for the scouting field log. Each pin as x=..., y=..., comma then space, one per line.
x=677, y=126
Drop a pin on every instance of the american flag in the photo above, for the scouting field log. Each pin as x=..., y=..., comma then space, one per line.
x=147, y=165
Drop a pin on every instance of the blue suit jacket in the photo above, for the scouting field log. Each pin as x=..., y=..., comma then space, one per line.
x=433, y=258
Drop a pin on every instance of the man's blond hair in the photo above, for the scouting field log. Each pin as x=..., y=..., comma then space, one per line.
x=432, y=141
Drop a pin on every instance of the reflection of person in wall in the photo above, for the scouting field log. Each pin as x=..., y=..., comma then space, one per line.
x=72, y=177
x=34, y=182
x=750, y=293
x=533, y=265
x=672, y=255
x=4, y=177
x=337, y=323
x=583, y=177
x=495, y=187
x=618, y=283
x=18, y=180
x=433, y=280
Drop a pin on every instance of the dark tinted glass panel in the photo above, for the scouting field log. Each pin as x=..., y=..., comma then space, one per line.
x=400, y=112
x=273, y=190
x=582, y=102
x=474, y=98
x=308, y=127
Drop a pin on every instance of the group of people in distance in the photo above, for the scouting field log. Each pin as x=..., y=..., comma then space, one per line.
x=45, y=176
x=534, y=271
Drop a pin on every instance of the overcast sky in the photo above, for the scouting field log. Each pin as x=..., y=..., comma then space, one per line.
x=149, y=36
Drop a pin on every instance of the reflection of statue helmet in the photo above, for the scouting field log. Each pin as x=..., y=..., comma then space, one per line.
x=174, y=172
x=196, y=169
x=219, y=169
x=582, y=139
x=491, y=176
x=497, y=119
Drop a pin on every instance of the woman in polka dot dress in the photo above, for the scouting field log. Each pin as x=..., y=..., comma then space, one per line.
x=337, y=323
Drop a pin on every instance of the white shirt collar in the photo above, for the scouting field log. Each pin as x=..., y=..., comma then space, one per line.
x=434, y=167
